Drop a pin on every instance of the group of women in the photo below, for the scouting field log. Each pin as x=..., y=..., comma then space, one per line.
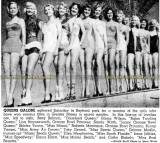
x=128, y=49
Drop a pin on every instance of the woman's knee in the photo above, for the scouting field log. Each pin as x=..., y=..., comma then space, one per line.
x=45, y=67
x=73, y=66
x=88, y=64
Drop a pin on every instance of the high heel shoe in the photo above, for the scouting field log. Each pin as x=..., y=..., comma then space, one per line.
x=100, y=94
x=95, y=95
x=11, y=105
x=47, y=101
x=72, y=97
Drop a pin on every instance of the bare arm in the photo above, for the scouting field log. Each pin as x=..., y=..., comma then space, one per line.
x=59, y=28
x=95, y=33
x=83, y=31
x=105, y=36
x=127, y=35
x=23, y=27
x=148, y=42
x=117, y=37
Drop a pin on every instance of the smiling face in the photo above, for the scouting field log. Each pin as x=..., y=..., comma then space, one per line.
x=134, y=21
x=74, y=10
x=62, y=10
x=13, y=9
x=126, y=21
x=143, y=24
x=48, y=11
x=87, y=12
x=98, y=12
x=110, y=14
x=153, y=24
x=30, y=10
x=119, y=17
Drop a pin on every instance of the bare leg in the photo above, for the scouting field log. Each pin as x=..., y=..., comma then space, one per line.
x=67, y=72
x=99, y=68
x=105, y=60
x=123, y=55
x=32, y=61
x=89, y=56
x=150, y=70
x=14, y=63
x=137, y=69
x=117, y=72
x=48, y=59
x=131, y=70
x=6, y=64
x=81, y=59
x=56, y=67
x=61, y=64
x=74, y=58
x=155, y=69
x=23, y=72
x=94, y=74
x=112, y=70
x=146, y=70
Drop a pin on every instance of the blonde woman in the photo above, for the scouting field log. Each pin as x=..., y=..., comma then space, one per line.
x=134, y=54
x=154, y=50
x=13, y=49
x=52, y=36
x=32, y=50
x=100, y=48
x=123, y=42
x=63, y=59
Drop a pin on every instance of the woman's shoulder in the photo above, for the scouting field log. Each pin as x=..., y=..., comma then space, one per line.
x=79, y=20
x=21, y=21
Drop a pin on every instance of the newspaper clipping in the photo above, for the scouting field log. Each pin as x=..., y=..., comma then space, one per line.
x=80, y=71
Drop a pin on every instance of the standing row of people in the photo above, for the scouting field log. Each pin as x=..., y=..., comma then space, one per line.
x=127, y=49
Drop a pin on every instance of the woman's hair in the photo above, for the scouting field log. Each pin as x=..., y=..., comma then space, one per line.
x=125, y=18
x=65, y=6
x=28, y=4
x=8, y=7
x=120, y=12
x=79, y=8
x=52, y=7
x=146, y=28
x=94, y=9
x=153, y=20
x=138, y=21
x=90, y=7
x=106, y=11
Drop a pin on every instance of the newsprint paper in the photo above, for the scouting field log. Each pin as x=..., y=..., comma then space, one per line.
x=43, y=99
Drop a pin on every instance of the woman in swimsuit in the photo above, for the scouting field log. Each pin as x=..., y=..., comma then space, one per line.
x=75, y=25
x=145, y=43
x=88, y=44
x=63, y=59
x=32, y=50
x=113, y=51
x=154, y=50
x=134, y=54
x=52, y=36
x=123, y=42
x=13, y=49
x=100, y=48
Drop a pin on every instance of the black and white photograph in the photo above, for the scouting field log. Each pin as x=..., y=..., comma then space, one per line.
x=80, y=71
x=81, y=53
